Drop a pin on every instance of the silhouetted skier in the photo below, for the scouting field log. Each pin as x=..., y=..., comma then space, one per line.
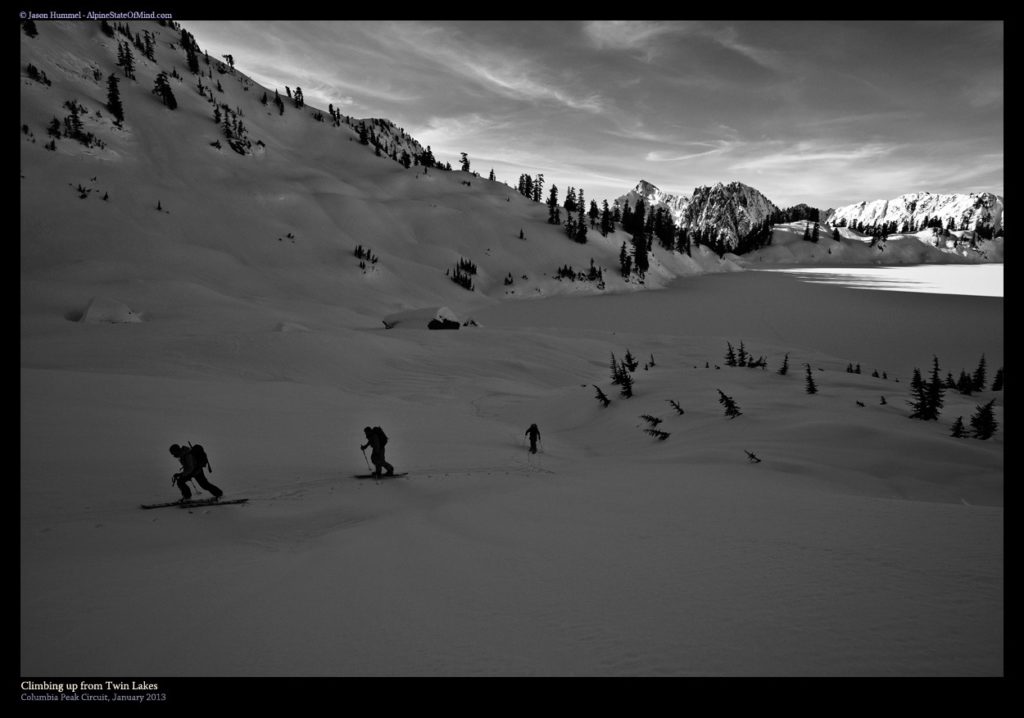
x=534, y=433
x=191, y=468
x=376, y=438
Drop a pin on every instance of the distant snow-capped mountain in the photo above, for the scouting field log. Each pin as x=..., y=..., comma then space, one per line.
x=653, y=198
x=967, y=211
x=730, y=211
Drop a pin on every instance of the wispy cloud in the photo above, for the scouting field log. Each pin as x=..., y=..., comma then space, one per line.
x=801, y=154
x=729, y=38
x=512, y=75
x=713, y=148
x=634, y=36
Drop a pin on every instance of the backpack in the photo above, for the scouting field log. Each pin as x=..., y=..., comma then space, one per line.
x=383, y=437
x=199, y=457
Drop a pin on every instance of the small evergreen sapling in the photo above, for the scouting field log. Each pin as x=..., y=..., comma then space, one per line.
x=811, y=387
x=625, y=382
x=958, y=431
x=675, y=405
x=601, y=397
x=616, y=372
x=630, y=361
x=731, y=409
x=784, y=369
x=983, y=423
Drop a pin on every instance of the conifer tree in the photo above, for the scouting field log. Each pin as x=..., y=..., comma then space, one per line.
x=640, y=247
x=629, y=361
x=114, y=100
x=580, y=234
x=730, y=356
x=29, y=26
x=934, y=393
x=465, y=162
x=965, y=384
x=784, y=369
x=625, y=261
x=553, y=213
x=491, y=175
x=570, y=200
x=979, y=376
x=126, y=60
x=625, y=382
x=997, y=383
x=983, y=423
x=601, y=397
x=615, y=369
x=741, y=356
x=162, y=89
x=918, y=393
x=958, y=431
x=606, y=220
x=731, y=409
x=811, y=387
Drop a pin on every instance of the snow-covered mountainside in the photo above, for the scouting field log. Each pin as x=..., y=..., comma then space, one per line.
x=729, y=211
x=653, y=198
x=239, y=176
x=916, y=210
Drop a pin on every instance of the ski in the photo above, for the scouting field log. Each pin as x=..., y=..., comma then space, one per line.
x=193, y=503
x=382, y=476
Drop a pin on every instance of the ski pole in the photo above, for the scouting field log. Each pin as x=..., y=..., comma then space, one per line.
x=366, y=460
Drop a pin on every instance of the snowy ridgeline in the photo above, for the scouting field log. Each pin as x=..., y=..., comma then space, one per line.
x=919, y=209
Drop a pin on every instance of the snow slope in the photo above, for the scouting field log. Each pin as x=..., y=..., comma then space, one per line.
x=863, y=543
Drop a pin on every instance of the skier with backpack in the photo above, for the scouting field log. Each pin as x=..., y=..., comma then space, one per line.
x=193, y=460
x=377, y=439
x=534, y=433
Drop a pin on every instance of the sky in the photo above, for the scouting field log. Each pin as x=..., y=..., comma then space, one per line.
x=823, y=113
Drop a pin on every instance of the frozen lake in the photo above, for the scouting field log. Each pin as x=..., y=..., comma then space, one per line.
x=979, y=280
